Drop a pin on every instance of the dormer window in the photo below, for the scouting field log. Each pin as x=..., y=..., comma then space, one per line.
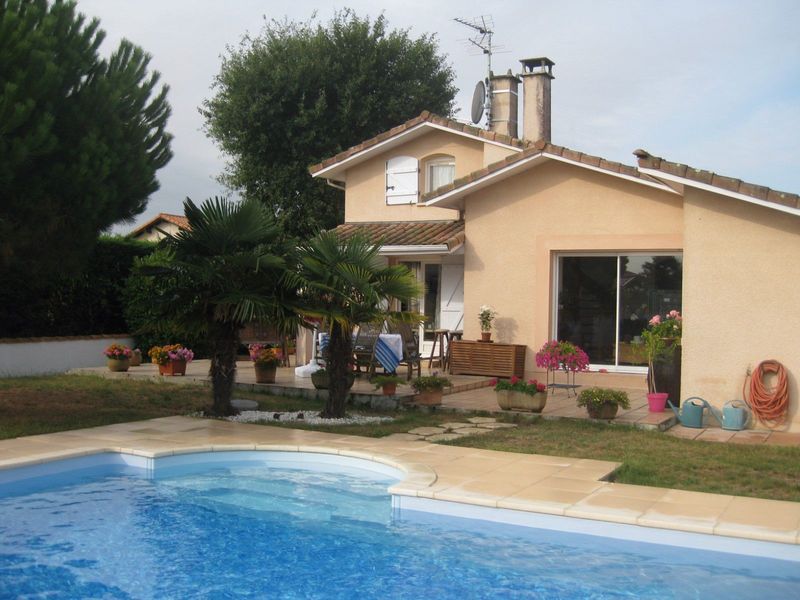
x=439, y=171
x=402, y=180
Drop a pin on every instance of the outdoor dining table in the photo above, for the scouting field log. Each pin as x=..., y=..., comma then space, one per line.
x=388, y=349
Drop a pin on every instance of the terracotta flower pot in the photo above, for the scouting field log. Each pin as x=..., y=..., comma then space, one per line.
x=389, y=389
x=118, y=365
x=657, y=401
x=265, y=373
x=604, y=411
x=514, y=400
x=429, y=398
x=173, y=367
x=486, y=336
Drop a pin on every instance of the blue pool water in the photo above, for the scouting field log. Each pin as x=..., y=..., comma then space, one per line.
x=245, y=529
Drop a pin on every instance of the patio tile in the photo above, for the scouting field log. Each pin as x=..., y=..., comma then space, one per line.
x=685, y=517
x=782, y=438
x=749, y=437
x=537, y=498
x=688, y=433
x=609, y=507
x=715, y=435
x=769, y=520
x=574, y=485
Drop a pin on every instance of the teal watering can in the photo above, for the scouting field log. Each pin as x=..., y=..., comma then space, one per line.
x=735, y=415
x=691, y=414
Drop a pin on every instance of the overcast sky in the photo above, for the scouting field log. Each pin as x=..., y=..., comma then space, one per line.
x=713, y=84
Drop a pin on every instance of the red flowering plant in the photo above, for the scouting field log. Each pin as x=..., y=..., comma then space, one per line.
x=516, y=384
x=555, y=355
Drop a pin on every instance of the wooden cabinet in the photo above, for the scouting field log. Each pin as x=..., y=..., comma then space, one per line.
x=494, y=360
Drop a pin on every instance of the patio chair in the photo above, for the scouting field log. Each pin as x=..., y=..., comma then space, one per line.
x=411, y=355
x=364, y=346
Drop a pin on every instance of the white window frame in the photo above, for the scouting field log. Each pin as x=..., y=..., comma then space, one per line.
x=615, y=368
x=438, y=161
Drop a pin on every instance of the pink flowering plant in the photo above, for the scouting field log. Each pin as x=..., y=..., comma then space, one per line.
x=264, y=355
x=515, y=384
x=181, y=353
x=555, y=355
x=117, y=352
x=662, y=336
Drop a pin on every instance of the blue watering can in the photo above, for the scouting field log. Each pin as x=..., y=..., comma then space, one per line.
x=735, y=415
x=691, y=414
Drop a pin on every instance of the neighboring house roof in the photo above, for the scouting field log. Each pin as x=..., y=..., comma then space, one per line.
x=728, y=186
x=333, y=166
x=532, y=155
x=179, y=220
x=396, y=237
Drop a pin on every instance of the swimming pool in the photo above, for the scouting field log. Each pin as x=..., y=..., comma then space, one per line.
x=294, y=525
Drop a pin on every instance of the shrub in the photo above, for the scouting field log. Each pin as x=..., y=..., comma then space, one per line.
x=430, y=383
x=597, y=397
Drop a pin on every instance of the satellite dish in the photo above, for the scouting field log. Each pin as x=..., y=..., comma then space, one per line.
x=478, y=98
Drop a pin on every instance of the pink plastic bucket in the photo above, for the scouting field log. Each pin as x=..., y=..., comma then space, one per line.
x=657, y=401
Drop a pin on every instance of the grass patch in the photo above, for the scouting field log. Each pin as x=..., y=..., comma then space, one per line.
x=654, y=459
x=35, y=405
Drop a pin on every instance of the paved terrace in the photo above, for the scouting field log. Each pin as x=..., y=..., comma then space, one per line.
x=525, y=482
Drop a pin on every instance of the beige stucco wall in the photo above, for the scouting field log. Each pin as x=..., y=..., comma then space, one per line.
x=493, y=153
x=741, y=295
x=514, y=229
x=365, y=197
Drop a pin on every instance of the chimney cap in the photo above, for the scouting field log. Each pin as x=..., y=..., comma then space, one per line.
x=537, y=66
x=508, y=75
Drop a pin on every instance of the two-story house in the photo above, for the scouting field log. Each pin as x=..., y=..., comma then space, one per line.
x=571, y=246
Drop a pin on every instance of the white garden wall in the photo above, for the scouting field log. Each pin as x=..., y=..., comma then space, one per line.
x=39, y=356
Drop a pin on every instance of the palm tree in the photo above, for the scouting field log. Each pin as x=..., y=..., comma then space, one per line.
x=224, y=273
x=346, y=283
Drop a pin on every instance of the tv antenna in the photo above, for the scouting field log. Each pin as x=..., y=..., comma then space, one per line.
x=482, y=39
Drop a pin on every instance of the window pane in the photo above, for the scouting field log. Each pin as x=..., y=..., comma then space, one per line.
x=650, y=285
x=431, y=299
x=439, y=175
x=587, y=301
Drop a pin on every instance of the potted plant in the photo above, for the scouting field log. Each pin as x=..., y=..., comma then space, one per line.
x=266, y=360
x=486, y=315
x=430, y=389
x=136, y=357
x=562, y=356
x=171, y=359
x=388, y=383
x=321, y=379
x=661, y=341
x=118, y=357
x=603, y=403
x=515, y=394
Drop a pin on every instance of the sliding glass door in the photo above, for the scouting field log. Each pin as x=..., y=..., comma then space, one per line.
x=604, y=302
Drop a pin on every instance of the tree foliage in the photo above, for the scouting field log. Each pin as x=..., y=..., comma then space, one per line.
x=221, y=273
x=345, y=283
x=300, y=92
x=81, y=137
x=88, y=304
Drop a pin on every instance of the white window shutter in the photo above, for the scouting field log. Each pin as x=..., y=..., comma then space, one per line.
x=451, y=307
x=402, y=180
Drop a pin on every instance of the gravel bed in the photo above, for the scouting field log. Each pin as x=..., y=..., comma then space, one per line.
x=313, y=418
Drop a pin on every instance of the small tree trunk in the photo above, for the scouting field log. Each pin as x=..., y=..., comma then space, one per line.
x=340, y=347
x=225, y=341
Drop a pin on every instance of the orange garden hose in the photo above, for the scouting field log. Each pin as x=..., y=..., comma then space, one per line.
x=770, y=406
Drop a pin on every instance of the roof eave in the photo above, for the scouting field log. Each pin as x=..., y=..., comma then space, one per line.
x=338, y=169
x=687, y=182
x=416, y=249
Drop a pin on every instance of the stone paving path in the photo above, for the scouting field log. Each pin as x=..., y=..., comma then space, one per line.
x=452, y=431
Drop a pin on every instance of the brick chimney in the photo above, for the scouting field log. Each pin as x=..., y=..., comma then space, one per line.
x=505, y=111
x=537, y=74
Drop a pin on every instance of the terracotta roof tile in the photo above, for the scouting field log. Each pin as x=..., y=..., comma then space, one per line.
x=532, y=150
x=759, y=192
x=407, y=233
x=424, y=117
x=181, y=221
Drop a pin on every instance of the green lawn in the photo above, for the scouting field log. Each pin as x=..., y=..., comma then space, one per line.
x=35, y=405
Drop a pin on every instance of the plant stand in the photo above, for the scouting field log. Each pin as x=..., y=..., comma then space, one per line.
x=568, y=385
